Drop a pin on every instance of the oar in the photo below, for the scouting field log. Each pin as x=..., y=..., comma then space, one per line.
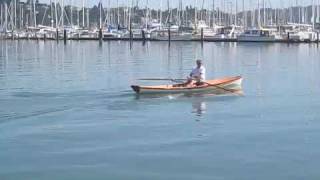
x=217, y=86
x=162, y=79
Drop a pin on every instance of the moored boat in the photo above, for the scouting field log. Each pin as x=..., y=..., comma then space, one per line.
x=227, y=84
x=258, y=35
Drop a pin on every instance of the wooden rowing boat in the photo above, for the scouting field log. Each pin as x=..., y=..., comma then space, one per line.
x=227, y=84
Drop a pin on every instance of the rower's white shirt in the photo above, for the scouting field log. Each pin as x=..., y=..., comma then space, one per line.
x=199, y=72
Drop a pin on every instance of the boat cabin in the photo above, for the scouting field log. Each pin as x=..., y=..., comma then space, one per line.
x=258, y=32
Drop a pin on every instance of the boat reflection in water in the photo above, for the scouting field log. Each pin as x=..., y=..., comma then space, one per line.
x=199, y=107
x=199, y=101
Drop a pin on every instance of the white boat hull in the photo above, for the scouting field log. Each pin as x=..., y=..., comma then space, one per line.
x=182, y=37
x=256, y=38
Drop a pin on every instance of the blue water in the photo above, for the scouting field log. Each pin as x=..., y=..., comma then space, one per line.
x=67, y=112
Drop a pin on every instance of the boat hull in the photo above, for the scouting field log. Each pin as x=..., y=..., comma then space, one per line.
x=256, y=39
x=177, y=37
x=227, y=85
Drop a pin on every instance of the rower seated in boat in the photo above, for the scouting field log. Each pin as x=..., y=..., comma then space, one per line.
x=197, y=76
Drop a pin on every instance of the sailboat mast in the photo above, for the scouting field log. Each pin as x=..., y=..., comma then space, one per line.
x=129, y=16
x=160, y=13
x=108, y=13
x=51, y=14
x=244, y=17
x=56, y=12
x=299, y=8
x=213, y=15
x=201, y=11
x=83, y=13
x=259, y=15
x=313, y=14
x=118, y=13
x=1, y=15
x=264, y=13
x=62, y=13
x=15, y=13
x=236, y=15
x=34, y=13
x=318, y=6
x=219, y=15
x=71, y=13
x=253, y=15
x=170, y=14
x=195, y=13
x=21, y=16
x=88, y=18
x=78, y=16
x=100, y=20
x=147, y=14
x=5, y=8
x=178, y=13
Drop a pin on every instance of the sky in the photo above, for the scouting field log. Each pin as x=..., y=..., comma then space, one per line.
x=249, y=4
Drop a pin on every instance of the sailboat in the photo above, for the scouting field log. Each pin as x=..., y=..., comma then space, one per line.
x=259, y=33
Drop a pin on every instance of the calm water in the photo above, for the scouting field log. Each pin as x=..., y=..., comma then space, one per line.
x=67, y=112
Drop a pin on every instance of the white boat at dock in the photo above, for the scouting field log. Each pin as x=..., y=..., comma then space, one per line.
x=163, y=35
x=259, y=35
x=228, y=33
x=299, y=32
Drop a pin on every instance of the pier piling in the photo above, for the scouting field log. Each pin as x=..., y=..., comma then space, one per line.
x=65, y=36
x=143, y=35
x=130, y=32
x=57, y=34
x=100, y=35
x=201, y=35
x=169, y=35
x=44, y=37
x=288, y=37
x=317, y=37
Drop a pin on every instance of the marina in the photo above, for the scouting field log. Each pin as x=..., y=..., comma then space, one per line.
x=210, y=21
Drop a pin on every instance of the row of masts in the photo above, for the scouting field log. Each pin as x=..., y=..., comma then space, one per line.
x=123, y=19
x=18, y=15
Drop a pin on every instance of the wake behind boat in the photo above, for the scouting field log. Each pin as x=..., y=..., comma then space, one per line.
x=227, y=84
